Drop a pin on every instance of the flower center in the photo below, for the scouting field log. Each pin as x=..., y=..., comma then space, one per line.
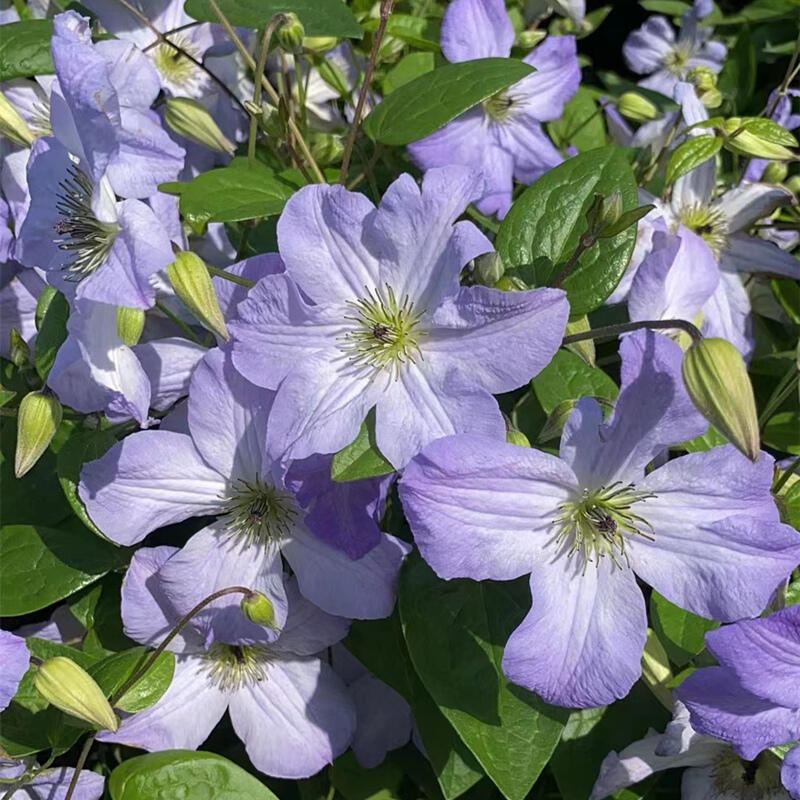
x=677, y=61
x=709, y=224
x=232, y=667
x=384, y=332
x=258, y=512
x=499, y=106
x=598, y=523
x=81, y=234
x=176, y=70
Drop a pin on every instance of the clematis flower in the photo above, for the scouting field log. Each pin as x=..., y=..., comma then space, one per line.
x=15, y=659
x=154, y=478
x=287, y=705
x=702, y=529
x=713, y=769
x=752, y=700
x=47, y=784
x=370, y=313
x=653, y=50
x=503, y=136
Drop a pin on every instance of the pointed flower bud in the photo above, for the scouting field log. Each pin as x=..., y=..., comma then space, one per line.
x=69, y=687
x=38, y=418
x=636, y=107
x=190, y=119
x=130, y=324
x=319, y=44
x=290, y=34
x=12, y=126
x=703, y=78
x=488, y=269
x=19, y=353
x=775, y=172
x=258, y=609
x=717, y=382
x=527, y=40
x=192, y=283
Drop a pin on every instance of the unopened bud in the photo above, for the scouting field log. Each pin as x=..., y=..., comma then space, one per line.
x=290, y=34
x=703, y=78
x=269, y=118
x=319, y=44
x=38, y=418
x=488, y=269
x=258, y=609
x=69, y=687
x=19, y=353
x=189, y=277
x=612, y=209
x=556, y=421
x=332, y=74
x=191, y=119
x=527, y=40
x=793, y=185
x=12, y=126
x=636, y=107
x=711, y=98
x=326, y=147
x=130, y=324
x=748, y=144
x=775, y=172
x=717, y=382
x=511, y=283
x=759, y=137
x=514, y=436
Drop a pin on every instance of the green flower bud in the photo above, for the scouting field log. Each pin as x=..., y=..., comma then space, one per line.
x=775, y=172
x=717, y=382
x=190, y=119
x=527, y=40
x=555, y=422
x=69, y=687
x=611, y=210
x=510, y=283
x=636, y=107
x=12, y=126
x=19, y=352
x=513, y=436
x=130, y=324
x=258, y=609
x=38, y=418
x=290, y=34
x=326, y=147
x=703, y=78
x=189, y=277
x=711, y=99
x=488, y=269
x=320, y=44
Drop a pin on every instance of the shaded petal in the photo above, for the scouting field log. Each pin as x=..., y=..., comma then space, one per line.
x=146, y=481
x=544, y=94
x=581, y=643
x=15, y=659
x=130, y=72
x=476, y=29
x=462, y=141
x=750, y=202
x=647, y=47
x=53, y=784
x=168, y=364
x=746, y=254
x=790, y=772
x=727, y=314
x=530, y=150
x=230, y=294
x=482, y=508
x=305, y=707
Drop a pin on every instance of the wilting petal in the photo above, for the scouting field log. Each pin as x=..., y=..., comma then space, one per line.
x=476, y=29
x=581, y=643
x=481, y=508
x=296, y=721
x=746, y=254
x=16, y=659
x=168, y=364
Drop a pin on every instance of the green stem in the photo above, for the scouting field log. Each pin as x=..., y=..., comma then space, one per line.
x=782, y=391
x=787, y=473
x=611, y=331
x=87, y=746
x=278, y=19
x=179, y=322
x=584, y=243
x=228, y=276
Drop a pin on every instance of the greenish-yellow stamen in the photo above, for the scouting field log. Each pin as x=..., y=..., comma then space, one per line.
x=499, y=106
x=232, y=667
x=709, y=224
x=259, y=512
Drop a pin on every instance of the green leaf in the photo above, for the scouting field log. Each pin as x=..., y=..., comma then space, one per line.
x=233, y=193
x=26, y=732
x=39, y=566
x=789, y=504
x=355, y=782
x=319, y=17
x=569, y=377
x=418, y=32
x=783, y=433
x=25, y=49
x=184, y=774
x=580, y=125
x=738, y=77
x=361, y=458
x=97, y=608
x=52, y=332
x=429, y=102
x=711, y=438
x=455, y=631
x=549, y=217
x=681, y=632
x=406, y=70
x=673, y=8
x=769, y=131
x=112, y=672
x=692, y=153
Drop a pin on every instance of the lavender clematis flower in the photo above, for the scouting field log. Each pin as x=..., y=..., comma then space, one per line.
x=18, y=298
x=388, y=325
x=713, y=769
x=154, y=478
x=15, y=659
x=48, y=784
x=752, y=700
x=654, y=51
x=289, y=707
x=702, y=529
x=503, y=137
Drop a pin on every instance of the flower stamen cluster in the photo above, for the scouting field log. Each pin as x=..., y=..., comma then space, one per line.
x=499, y=106
x=258, y=512
x=709, y=224
x=172, y=63
x=232, y=667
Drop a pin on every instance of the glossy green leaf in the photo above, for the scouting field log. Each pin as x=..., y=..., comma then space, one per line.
x=783, y=433
x=769, y=131
x=25, y=49
x=681, y=632
x=691, y=154
x=581, y=124
x=184, y=774
x=52, y=333
x=738, y=77
x=456, y=631
x=429, y=102
x=569, y=377
x=39, y=566
x=418, y=32
x=319, y=17
x=25, y=732
x=354, y=782
x=361, y=458
x=549, y=217
x=406, y=70
x=112, y=672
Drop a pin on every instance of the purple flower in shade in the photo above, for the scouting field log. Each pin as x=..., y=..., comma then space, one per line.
x=653, y=50
x=752, y=700
x=714, y=771
x=370, y=313
x=18, y=298
x=288, y=706
x=701, y=529
x=47, y=784
x=15, y=659
x=503, y=136
x=154, y=478
x=783, y=116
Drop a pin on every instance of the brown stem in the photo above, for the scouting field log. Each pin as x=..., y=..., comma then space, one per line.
x=584, y=243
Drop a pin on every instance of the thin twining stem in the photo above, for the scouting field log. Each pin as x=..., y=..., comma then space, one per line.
x=611, y=331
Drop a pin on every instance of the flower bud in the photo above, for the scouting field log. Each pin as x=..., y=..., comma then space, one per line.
x=488, y=269
x=636, y=107
x=190, y=119
x=130, y=324
x=748, y=144
x=319, y=44
x=19, y=353
x=759, y=137
x=12, y=126
x=290, y=34
x=527, y=40
x=703, y=78
x=511, y=283
x=556, y=421
x=69, y=687
x=189, y=277
x=775, y=172
x=711, y=98
x=38, y=418
x=793, y=185
x=326, y=147
x=258, y=609
x=717, y=382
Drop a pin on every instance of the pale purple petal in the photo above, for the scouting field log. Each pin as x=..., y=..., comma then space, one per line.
x=295, y=721
x=168, y=364
x=727, y=314
x=531, y=151
x=130, y=72
x=497, y=165
x=790, y=772
x=15, y=659
x=646, y=48
x=53, y=784
x=462, y=141
x=581, y=643
x=230, y=294
x=482, y=508
x=476, y=29
x=17, y=311
x=750, y=202
x=746, y=254
x=543, y=95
